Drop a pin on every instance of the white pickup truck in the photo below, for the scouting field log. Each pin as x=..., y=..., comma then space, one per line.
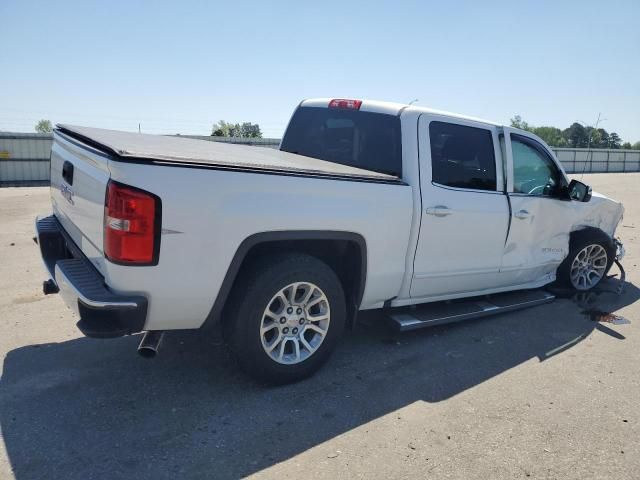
x=366, y=205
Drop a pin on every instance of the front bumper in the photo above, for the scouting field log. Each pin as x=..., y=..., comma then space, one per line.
x=102, y=313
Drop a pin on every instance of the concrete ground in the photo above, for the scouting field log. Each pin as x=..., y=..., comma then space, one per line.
x=542, y=393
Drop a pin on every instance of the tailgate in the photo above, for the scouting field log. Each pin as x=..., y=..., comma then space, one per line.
x=79, y=176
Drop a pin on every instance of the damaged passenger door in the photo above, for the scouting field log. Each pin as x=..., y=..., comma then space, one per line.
x=541, y=211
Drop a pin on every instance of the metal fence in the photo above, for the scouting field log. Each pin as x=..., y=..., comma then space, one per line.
x=578, y=160
x=24, y=157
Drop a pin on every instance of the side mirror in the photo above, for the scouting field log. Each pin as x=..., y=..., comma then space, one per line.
x=579, y=191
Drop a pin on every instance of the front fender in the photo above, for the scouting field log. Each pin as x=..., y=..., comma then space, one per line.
x=600, y=212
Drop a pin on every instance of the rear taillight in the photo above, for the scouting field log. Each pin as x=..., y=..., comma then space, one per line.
x=132, y=219
x=345, y=103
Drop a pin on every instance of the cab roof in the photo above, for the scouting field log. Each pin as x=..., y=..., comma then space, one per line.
x=393, y=108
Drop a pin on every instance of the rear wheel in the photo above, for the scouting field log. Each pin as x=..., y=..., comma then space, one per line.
x=285, y=318
x=590, y=256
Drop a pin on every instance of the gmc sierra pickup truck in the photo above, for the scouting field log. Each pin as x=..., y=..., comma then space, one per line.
x=366, y=205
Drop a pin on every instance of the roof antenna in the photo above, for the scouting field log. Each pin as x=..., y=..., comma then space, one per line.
x=413, y=101
x=584, y=167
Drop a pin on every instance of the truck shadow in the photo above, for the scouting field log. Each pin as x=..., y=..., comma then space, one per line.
x=88, y=408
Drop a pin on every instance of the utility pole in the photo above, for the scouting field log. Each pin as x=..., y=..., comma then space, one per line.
x=589, y=152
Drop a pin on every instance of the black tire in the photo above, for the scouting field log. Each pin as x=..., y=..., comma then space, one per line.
x=254, y=291
x=580, y=240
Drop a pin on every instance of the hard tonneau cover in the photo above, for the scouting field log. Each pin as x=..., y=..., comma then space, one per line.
x=127, y=146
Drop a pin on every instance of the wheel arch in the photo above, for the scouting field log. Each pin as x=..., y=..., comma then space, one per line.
x=589, y=231
x=578, y=237
x=332, y=247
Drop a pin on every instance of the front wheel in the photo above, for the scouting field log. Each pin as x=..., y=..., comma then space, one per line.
x=285, y=317
x=590, y=256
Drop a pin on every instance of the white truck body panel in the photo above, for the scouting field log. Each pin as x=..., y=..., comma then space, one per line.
x=445, y=262
x=222, y=209
x=215, y=196
x=82, y=218
x=538, y=243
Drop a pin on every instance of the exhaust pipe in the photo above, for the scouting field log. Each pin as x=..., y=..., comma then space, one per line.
x=49, y=287
x=150, y=343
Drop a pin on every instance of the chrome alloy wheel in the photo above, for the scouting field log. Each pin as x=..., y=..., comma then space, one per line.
x=588, y=267
x=295, y=323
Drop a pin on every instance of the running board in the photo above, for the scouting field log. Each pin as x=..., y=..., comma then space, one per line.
x=437, y=313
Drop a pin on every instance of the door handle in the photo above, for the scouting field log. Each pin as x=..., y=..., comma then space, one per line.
x=438, y=211
x=67, y=172
x=522, y=214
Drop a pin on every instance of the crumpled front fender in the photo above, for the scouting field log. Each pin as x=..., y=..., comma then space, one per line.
x=600, y=212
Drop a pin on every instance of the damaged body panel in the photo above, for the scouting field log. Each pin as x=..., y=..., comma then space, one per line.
x=498, y=210
x=538, y=243
x=543, y=213
x=600, y=212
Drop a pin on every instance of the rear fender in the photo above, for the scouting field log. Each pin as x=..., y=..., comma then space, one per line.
x=259, y=239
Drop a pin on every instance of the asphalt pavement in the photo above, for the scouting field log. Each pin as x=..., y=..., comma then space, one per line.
x=548, y=392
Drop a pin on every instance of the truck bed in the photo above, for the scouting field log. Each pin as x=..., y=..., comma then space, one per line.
x=144, y=148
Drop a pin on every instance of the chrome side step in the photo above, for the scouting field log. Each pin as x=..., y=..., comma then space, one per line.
x=437, y=313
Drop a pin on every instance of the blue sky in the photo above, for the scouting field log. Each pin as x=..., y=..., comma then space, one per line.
x=179, y=66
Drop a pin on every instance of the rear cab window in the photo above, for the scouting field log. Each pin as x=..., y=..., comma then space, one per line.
x=360, y=139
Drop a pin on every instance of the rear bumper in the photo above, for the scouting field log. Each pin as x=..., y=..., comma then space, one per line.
x=102, y=313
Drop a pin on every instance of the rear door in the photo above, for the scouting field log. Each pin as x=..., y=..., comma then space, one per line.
x=465, y=212
x=541, y=214
x=79, y=176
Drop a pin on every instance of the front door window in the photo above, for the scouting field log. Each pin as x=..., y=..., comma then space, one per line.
x=534, y=172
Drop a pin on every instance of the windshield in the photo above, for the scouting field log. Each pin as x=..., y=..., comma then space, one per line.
x=366, y=140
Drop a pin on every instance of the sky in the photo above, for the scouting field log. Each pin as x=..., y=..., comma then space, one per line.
x=180, y=66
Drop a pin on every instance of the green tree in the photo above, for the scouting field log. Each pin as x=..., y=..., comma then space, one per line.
x=250, y=130
x=517, y=122
x=614, y=140
x=603, y=140
x=244, y=130
x=594, y=139
x=576, y=136
x=235, y=130
x=551, y=135
x=44, y=126
x=221, y=129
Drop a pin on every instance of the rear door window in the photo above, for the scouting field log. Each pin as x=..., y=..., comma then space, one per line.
x=366, y=140
x=462, y=156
